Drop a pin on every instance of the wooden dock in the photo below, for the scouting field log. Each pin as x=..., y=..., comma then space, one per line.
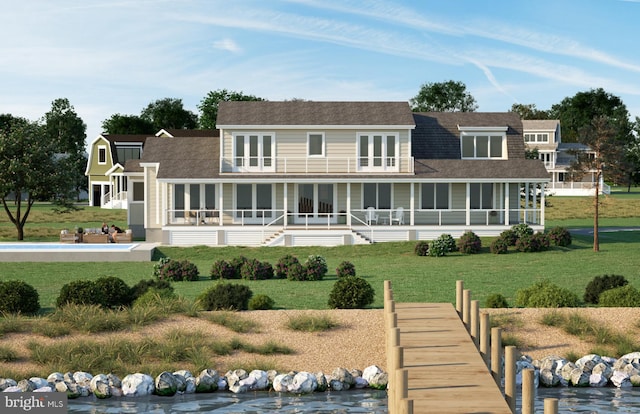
x=445, y=371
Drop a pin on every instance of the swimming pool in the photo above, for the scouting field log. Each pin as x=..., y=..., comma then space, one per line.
x=67, y=247
x=76, y=252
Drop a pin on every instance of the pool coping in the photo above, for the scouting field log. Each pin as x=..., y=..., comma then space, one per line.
x=140, y=252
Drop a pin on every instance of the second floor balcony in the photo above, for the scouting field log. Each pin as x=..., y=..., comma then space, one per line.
x=316, y=165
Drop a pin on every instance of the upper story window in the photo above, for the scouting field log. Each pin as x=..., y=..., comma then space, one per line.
x=537, y=137
x=253, y=152
x=483, y=142
x=315, y=144
x=102, y=154
x=378, y=151
x=128, y=152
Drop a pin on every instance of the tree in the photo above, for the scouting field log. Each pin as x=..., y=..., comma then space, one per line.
x=67, y=131
x=30, y=170
x=450, y=96
x=169, y=113
x=601, y=136
x=529, y=111
x=128, y=124
x=208, y=107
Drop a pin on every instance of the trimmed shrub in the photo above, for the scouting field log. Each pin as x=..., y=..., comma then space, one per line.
x=422, y=248
x=438, y=248
x=496, y=300
x=599, y=284
x=623, y=296
x=532, y=243
x=159, y=265
x=297, y=272
x=237, y=263
x=449, y=242
x=545, y=294
x=345, y=269
x=221, y=269
x=559, y=236
x=178, y=270
x=113, y=292
x=254, y=269
x=316, y=267
x=509, y=236
x=499, y=246
x=469, y=243
x=78, y=292
x=261, y=302
x=226, y=296
x=351, y=292
x=17, y=296
x=144, y=286
x=522, y=229
x=282, y=266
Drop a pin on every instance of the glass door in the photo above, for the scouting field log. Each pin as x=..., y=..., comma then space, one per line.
x=315, y=203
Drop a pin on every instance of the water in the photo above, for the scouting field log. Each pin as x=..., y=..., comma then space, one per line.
x=571, y=400
x=73, y=247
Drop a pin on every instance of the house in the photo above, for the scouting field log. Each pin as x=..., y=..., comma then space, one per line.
x=330, y=173
x=108, y=154
x=544, y=135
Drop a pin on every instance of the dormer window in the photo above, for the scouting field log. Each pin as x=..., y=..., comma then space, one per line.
x=538, y=137
x=483, y=142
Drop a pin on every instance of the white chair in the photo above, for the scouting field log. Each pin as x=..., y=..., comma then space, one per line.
x=398, y=217
x=371, y=216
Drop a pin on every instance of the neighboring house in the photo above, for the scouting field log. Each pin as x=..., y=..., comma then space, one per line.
x=331, y=173
x=108, y=154
x=544, y=135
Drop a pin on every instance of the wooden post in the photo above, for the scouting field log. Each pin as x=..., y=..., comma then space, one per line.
x=496, y=355
x=528, y=392
x=402, y=388
x=550, y=406
x=466, y=308
x=510, y=355
x=397, y=363
x=459, y=289
x=485, y=338
x=406, y=406
x=475, y=312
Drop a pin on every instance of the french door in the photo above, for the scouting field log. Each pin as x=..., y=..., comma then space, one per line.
x=315, y=203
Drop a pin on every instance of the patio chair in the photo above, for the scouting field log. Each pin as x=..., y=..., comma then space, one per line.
x=371, y=216
x=398, y=217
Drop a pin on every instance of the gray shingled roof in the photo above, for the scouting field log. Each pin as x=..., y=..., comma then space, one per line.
x=176, y=133
x=481, y=169
x=184, y=157
x=540, y=124
x=437, y=136
x=265, y=113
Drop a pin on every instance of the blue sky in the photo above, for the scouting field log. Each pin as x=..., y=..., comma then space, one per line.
x=117, y=56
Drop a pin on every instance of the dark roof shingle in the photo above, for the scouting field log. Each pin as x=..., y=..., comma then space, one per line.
x=184, y=157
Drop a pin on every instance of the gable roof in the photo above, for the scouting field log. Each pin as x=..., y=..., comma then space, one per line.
x=187, y=157
x=310, y=113
x=540, y=124
x=437, y=134
x=173, y=132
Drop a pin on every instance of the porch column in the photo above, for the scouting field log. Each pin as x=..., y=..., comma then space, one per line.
x=542, y=207
x=285, y=204
x=527, y=189
x=220, y=204
x=506, y=204
x=535, y=202
x=468, y=205
x=349, y=204
x=412, y=201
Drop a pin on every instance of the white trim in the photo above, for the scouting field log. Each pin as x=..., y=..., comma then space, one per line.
x=483, y=129
x=114, y=168
x=247, y=149
x=106, y=156
x=475, y=135
x=323, y=144
x=271, y=127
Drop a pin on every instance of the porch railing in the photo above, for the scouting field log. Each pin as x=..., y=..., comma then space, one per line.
x=317, y=165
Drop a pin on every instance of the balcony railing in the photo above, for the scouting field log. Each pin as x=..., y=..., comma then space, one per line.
x=317, y=165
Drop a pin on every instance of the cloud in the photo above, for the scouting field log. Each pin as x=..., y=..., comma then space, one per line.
x=228, y=45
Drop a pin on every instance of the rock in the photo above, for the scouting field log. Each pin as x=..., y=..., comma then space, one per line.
x=282, y=382
x=166, y=384
x=321, y=379
x=26, y=385
x=190, y=387
x=82, y=378
x=633, y=357
x=46, y=388
x=234, y=379
x=262, y=379
x=621, y=379
x=343, y=376
x=13, y=388
x=603, y=369
x=597, y=380
x=635, y=380
x=61, y=386
x=338, y=385
x=55, y=377
x=579, y=378
x=566, y=370
x=271, y=374
x=549, y=378
x=99, y=386
x=587, y=362
x=303, y=383
x=207, y=381
x=115, y=385
x=74, y=390
x=222, y=384
x=137, y=385
x=361, y=383
x=6, y=383
x=181, y=385
x=39, y=382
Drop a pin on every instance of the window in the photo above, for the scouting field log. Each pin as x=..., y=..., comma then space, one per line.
x=253, y=152
x=315, y=144
x=561, y=177
x=194, y=196
x=482, y=146
x=543, y=137
x=377, y=151
x=178, y=200
x=254, y=200
x=435, y=196
x=481, y=195
x=138, y=191
x=376, y=195
x=102, y=154
x=128, y=152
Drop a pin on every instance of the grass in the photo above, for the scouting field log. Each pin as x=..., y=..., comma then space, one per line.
x=234, y=321
x=308, y=323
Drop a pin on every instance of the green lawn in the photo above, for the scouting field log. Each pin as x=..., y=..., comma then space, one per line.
x=414, y=278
